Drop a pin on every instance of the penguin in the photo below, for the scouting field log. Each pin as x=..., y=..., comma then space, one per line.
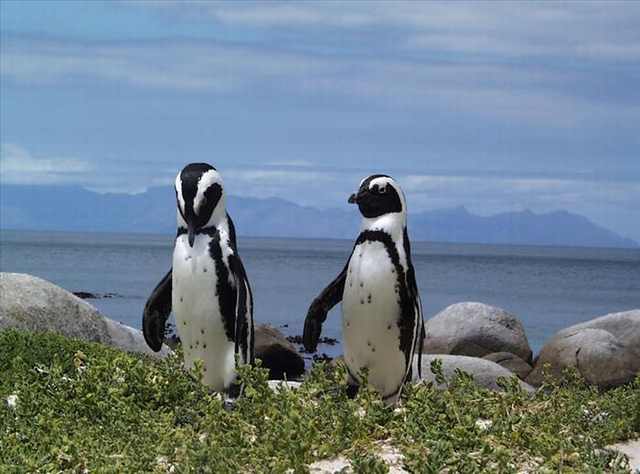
x=381, y=309
x=207, y=286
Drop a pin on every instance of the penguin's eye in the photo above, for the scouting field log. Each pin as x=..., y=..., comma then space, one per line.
x=382, y=190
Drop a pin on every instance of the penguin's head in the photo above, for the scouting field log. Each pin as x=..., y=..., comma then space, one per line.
x=199, y=196
x=378, y=195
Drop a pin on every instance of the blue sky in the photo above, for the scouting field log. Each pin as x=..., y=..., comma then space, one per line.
x=494, y=106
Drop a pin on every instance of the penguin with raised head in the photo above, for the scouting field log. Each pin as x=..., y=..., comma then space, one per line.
x=381, y=310
x=207, y=286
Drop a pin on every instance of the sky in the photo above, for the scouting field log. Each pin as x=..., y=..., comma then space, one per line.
x=495, y=106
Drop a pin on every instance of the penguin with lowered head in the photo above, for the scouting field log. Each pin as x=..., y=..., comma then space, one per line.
x=207, y=286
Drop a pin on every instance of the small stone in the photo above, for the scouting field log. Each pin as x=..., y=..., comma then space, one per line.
x=388, y=327
x=483, y=425
x=204, y=346
x=201, y=331
x=12, y=401
x=361, y=301
x=204, y=270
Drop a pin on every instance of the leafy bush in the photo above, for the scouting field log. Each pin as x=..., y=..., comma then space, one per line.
x=81, y=405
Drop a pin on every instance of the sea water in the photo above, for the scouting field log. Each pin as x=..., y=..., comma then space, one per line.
x=547, y=288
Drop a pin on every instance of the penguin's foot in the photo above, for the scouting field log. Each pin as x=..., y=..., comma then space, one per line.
x=229, y=404
x=231, y=395
x=234, y=390
x=352, y=391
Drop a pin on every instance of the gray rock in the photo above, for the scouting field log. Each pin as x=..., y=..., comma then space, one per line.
x=384, y=450
x=475, y=329
x=510, y=362
x=605, y=351
x=631, y=449
x=33, y=304
x=277, y=354
x=484, y=372
x=278, y=385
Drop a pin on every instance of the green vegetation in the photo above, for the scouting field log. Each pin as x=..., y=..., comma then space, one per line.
x=82, y=405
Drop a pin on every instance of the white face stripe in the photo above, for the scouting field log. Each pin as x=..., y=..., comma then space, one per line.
x=382, y=182
x=178, y=185
x=206, y=180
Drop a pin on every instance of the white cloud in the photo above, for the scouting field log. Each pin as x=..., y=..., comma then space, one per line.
x=599, y=199
x=312, y=187
x=186, y=65
x=18, y=166
x=528, y=94
x=486, y=195
x=596, y=30
x=291, y=163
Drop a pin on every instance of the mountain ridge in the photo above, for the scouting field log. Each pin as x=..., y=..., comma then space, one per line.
x=73, y=208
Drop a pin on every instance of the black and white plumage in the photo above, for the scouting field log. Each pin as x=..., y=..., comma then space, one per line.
x=381, y=310
x=207, y=286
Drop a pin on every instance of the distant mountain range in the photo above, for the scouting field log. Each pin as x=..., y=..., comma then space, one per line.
x=70, y=208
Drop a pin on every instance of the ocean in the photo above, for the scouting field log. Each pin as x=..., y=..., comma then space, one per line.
x=547, y=288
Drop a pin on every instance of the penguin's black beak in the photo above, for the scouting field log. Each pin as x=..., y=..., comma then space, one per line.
x=353, y=199
x=191, y=234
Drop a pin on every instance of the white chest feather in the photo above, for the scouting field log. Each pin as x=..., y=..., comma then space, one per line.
x=371, y=310
x=197, y=310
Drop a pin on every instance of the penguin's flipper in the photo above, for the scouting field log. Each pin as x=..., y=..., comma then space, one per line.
x=319, y=308
x=413, y=312
x=156, y=313
x=243, y=330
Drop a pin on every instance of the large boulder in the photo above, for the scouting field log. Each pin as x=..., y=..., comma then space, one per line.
x=277, y=354
x=510, y=362
x=475, y=329
x=33, y=304
x=484, y=372
x=605, y=351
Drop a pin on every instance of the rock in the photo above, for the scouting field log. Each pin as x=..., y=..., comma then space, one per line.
x=605, y=351
x=510, y=362
x=278, y=385
x=631, y=449
x=384, y=450
x=484, y=372
x=277, y=354
x=330, y=341
x=475, y=329
x=33, y=304
x=85, y=295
